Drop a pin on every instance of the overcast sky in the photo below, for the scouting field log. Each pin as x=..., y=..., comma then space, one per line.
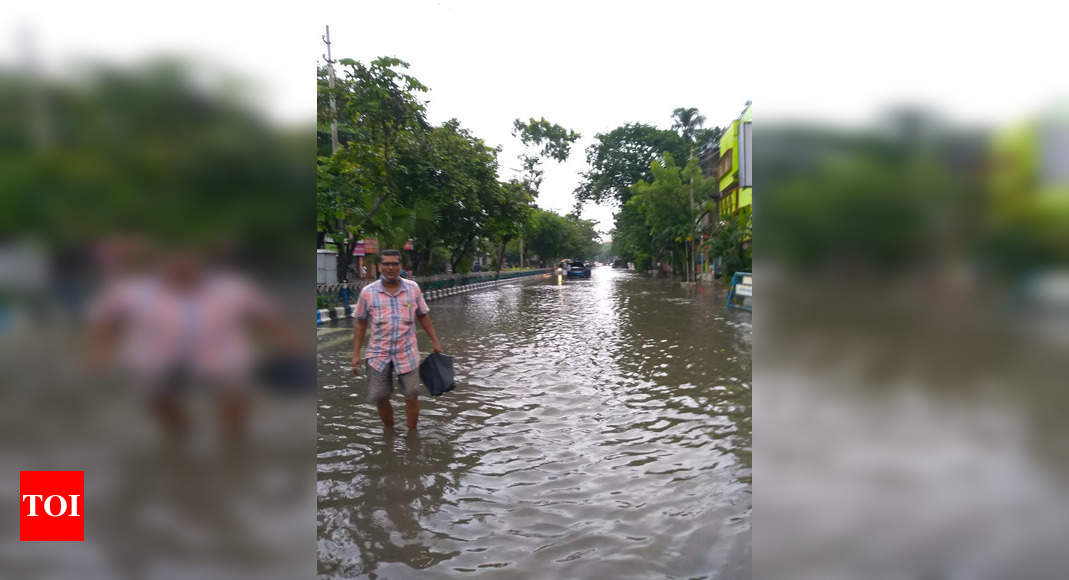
x=587, y=66
x=593, y=66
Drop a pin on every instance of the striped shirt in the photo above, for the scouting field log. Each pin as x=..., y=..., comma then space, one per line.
x=391, y=322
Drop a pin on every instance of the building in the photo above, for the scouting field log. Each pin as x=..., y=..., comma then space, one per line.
x=730, y=162
x=735, y=165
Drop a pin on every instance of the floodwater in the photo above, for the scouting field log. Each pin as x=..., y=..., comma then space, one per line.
x=600, y=429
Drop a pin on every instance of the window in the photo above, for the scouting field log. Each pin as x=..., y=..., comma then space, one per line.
x=725, y=163
x=746, y=154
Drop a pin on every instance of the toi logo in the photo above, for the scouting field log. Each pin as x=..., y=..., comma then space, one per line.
x=51, y=506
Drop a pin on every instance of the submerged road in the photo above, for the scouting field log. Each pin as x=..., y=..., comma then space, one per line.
x=600, y=429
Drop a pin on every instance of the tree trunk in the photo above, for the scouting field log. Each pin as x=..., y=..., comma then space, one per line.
x=345, y=259
x=427, y=260
x=463, y=251
x=501, y=257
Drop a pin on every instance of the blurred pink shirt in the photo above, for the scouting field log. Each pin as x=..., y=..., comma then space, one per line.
x=203, y=330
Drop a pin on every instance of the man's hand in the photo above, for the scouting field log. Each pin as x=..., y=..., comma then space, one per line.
x=356, y=362
x=436, y=346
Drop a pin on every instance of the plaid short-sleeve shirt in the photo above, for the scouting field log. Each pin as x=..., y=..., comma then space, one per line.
x=392, y=324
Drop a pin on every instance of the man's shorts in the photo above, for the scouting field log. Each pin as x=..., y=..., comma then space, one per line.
x=380, y=384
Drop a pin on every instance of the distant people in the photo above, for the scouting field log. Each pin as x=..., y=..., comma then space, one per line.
x=391, y=306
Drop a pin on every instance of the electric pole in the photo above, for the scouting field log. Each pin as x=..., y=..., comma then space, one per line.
x=333, y=109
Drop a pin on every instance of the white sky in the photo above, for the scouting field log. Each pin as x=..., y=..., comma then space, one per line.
x=587, y=66
x=594, y=65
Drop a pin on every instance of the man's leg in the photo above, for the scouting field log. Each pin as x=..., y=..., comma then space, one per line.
x=410, y=388
x=386, y=412
x=380, y=386
x=411, y=412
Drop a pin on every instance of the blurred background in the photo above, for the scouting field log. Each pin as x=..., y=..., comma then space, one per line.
x=911, y=320
x=156, y=202
x=912, y=308
x=913, y=323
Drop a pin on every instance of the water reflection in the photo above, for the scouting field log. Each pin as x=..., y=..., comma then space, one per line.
x=600, y=428
x=908, y=441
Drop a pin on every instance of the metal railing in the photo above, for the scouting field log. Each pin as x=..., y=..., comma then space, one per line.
x=345, y=294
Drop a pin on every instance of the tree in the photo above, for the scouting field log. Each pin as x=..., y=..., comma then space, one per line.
x=544, y=140
x=687, y=121
x=631, y=239
x=729, y=242
x=667, y=212
x=622, y=157
x=582, y=237
x=509, y=213
x=555, y=142
x=456, y=175
x=380, y=115
x=548, y=235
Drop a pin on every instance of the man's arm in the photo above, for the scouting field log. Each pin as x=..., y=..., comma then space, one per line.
x=358, y=341
x=428, y=327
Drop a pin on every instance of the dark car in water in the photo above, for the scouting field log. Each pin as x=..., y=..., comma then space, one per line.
x=578, y=270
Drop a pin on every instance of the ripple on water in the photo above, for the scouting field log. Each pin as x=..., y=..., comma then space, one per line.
x=599, y=430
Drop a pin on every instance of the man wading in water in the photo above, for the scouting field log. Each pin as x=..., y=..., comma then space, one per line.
x=391, y=305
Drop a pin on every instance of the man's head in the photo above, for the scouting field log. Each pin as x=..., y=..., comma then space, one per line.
x=390, y=265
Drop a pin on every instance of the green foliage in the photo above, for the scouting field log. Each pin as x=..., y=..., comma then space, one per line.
x=854, y=210
x=631, y=239
x=555, y=142
x=453, y=179
x=665, y=206
x=145, y=150
x=622, y=157
x=398, y=179
x=687, y=121
x=552, y=236
x=325, y=301
x=382, y=125
x=730, y=242
x=604, y=252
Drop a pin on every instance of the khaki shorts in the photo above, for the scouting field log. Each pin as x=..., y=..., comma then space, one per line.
x=380, y=384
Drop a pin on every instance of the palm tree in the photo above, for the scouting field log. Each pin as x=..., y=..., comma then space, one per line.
x=687, y=121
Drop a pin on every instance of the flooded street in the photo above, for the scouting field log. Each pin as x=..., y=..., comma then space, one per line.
x=599, y=429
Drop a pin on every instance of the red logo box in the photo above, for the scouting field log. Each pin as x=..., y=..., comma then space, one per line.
x=52, y=506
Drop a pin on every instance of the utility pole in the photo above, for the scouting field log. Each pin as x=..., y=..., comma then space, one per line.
x=40, y=124
x=691, y=274
x=333, y=108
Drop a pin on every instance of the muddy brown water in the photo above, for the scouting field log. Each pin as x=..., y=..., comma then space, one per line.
x=600, y=429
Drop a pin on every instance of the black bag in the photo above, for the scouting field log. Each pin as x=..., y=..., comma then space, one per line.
x=288, y=374
x=436, y=372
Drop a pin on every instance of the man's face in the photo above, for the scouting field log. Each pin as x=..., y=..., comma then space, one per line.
x=391, y=268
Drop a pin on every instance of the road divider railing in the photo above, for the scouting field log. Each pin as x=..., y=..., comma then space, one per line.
x=336, y=301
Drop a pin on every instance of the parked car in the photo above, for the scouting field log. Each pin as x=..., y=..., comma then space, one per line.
x=578, y=270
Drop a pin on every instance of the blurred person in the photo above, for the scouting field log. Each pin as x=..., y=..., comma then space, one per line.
x=182, y=326
x=389, y=306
